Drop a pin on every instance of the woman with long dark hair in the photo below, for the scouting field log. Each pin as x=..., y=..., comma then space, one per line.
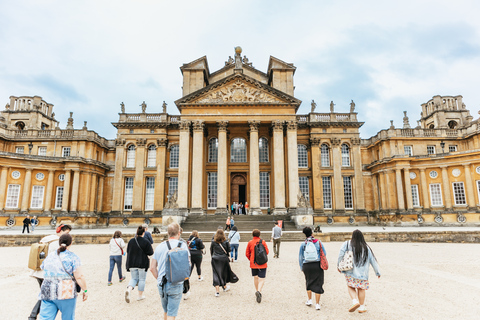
x=117, y=249
x=61, y=270
x=219, y=250
x=138, y=263
x=357, y=278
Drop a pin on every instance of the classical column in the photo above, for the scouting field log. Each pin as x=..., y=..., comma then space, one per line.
x=222, y=167
x=254, y=169
x=446, y=188
x=93, y=192
x=100, y=194
x=66, y=190
x=86, y=197
x=357, y=165
x=316, y=175
x=408, y=188
x=3, y=186
x=383, y=188
x=118, y=178
x=337, y=175
x=400, y=199
x=138, y=181
x=292, y=158
x=278, y=168
x=160, y=178
x=198, y=169
x=75, y=187
x=424, y=185
x=389, y=188
x=376, y=203
x=184, y=164
x=27, y=185
x=48, y=198
x=469, y=186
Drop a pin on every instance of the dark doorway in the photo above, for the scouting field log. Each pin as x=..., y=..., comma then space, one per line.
x=238, y=188
x=241, y=194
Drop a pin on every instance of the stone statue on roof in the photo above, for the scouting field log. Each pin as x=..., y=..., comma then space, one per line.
x=332, y=105
x=314, y=105
x=144, y=107
x=352, y=107
x=122, y=107
x=164, y=107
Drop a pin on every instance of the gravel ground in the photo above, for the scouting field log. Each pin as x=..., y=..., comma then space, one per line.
x=419, y=281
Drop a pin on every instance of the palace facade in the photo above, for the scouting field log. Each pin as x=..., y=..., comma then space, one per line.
x=238, y=138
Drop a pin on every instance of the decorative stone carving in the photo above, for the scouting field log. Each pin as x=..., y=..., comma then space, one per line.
x=332, y=106
x=222, y=125
x=277, y=125
x=144, y=107
x=314, y=142
x=335, y=141
x=162, y=142
x=141, y=142
x=391, y=125
x=84, y=125
x=198, y=125
x=238, y=58
x=292, y=125
x=238, y=91
x=171, y=201
x=413, y=175
x=229, y=61
x=70, y=121
x=314, y=106
x=352, y=107
x=406, y=123
x=184, y=125
x=456, y=172
x=120, y=142
x=7, y=106
x=122, y=107
x=302, y=202
x=254, y=124
x=164, y=107
x=246, y=62
x=356, y=141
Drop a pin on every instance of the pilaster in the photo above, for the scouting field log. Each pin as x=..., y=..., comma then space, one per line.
x=93, y=192
x=160, y=178
x=184, y=164
x=27, y=185
x=100, y=194
x=76, y=183
x=3, y=186
x=139, y=180
x=337, y=175
x=292, y=158
x=357, y=165
x=400, y=199
x=66, y=190
x=469, y=185
x=424, y=184
x=118, y=178
x=316, y=175
x=408, y=188
x=49, y=192
x=446, y=188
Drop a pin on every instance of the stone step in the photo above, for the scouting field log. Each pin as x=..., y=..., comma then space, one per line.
x=241, y=225
x=238, y=218
x=247, y=236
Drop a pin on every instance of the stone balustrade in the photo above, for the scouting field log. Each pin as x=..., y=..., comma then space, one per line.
x=327, y=117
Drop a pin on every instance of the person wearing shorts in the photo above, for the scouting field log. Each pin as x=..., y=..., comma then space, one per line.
x=259, y=272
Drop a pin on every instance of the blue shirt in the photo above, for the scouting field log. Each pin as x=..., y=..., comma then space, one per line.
x=160, y=255
x=234, y=237
x=359, y=272
x=58, y=284
x=301, y=258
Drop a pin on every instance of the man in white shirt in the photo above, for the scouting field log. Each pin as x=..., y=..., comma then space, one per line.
x=52, y=247
x=170, y=293
x=276, y=238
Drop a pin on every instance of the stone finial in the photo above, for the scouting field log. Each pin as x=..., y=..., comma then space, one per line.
x=164, y=107
x=314, y=106
x=70, y=121
x=122, y=107
x=84, y=125
x=238, y=58
x=352, y=107
x=332, y=106
x=419, y=125
x=53, y=115
x=144, y=107
x=7, y=106
x=391, y=125
x=406, y=123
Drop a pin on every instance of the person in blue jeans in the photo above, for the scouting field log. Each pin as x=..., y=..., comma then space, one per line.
x=234, y=239
x=117, y=250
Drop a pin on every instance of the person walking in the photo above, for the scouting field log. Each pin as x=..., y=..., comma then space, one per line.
x=232, y=223
x=58, y=288
x=26, y=223
x=357, y=278
x=34, y=223
x=196, y=247
x=219, y=250
x=227, y=224
x=246, y=208
x=138, y=263
x=233, y=208
x=117, y=250
x=259, y=271
x=309, y=261
x=234, y=239
x=170, y=293
x=276, y=239
x=148, y=235
x=53, y=245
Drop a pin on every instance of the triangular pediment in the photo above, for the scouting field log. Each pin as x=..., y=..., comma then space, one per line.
x=238, y=89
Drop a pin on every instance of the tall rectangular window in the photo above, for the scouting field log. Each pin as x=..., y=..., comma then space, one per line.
x=19, y=150
x=478, y=190
x=13, y=194
x=408, y=150
x=304, y=187
x=174, y=155
x=302, y=156
x=325, y=155
x=459, y=193
x=128, y=200
x=42, y=151
x=152, y=156
x=430, y=149
x=415, y=198
x=59, y=198
x=436, y=194
x=212, y=190
x=327, y=193
x=37, y=197
x=347, y=192
x=66, y=152
x=172, y=185
x=149, y=192
x=264, y=190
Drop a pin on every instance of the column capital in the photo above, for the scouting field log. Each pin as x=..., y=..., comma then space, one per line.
x=51, y=170
x=422, y=169
x=335, y=141
x=162, y=142
x=277, y=125
x=356, y=141
x=140, y=142
x=198, y=125
x=222, y=125
x=407, y=169
x=444, y=167
x=120, y=142
x=315, y=141
x=254, y=124
x=292, y=125
x=29, y=169
x=5, y=168
x=398, y=169
x=467, y=164
x=184, y=125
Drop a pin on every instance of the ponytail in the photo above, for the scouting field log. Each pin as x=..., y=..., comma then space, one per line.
x=64, y=241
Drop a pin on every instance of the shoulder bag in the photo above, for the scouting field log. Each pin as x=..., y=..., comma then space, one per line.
x=77, y=286
x=323, y=259
x=118, y=245
x=346, y=263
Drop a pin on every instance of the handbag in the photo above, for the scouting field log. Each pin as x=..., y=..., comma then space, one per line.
x=323, y=259
x=77, y=286
x=233, y=277
x=118, y=246
x=346, y=263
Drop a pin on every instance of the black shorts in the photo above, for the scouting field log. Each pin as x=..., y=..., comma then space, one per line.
x=261, y=273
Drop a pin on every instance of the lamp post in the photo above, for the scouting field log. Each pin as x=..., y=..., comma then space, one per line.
x=30, y=147
x=442, y=144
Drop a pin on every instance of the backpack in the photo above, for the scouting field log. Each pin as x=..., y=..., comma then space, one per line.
x=177, y=265
x=310, y=253
x=261, y=256
x=38, y=253
x=193, y=245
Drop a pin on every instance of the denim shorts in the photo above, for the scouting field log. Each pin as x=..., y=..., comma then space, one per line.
x=171, y=294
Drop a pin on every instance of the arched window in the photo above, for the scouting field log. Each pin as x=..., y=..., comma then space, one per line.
x=238, y=150
x=263, y=150
x=325, y=155
x=302, y=156
x=213, y=150
x=152, y=156
x=345, y=156
x=131, y=156
x=174, y=156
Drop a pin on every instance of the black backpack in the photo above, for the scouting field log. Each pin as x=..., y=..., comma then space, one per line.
x=261, y=256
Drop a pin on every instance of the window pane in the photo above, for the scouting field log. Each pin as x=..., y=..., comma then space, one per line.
x=264, y=190
x=304, y=187
x=408, y=150
x=302, y=156
x=415, y=198
x=42, y=151
x=37, y=197
x=452, y=148
x=238, y=150
x=325, y=155
x=152, y=156
x=149, y=193
x=131, y=156
x=212, y=190
x=459, y=193
x=263, y=150
x=345, y=156
x=13, y=193
x=436, y=194
x=66, y=152
x=19, y=150
x=59, y=198
x=213, y=150
x=174, y=156
x=430, y=149
x=172, y=185
x=327, y=193
x=347, y=192
x=128, y=193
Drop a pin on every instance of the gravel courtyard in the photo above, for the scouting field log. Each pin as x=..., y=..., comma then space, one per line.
x=419, y=281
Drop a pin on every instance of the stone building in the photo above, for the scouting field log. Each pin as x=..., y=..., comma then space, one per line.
x=238, y=138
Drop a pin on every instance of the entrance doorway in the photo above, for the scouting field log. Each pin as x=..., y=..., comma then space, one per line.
x=238, y=188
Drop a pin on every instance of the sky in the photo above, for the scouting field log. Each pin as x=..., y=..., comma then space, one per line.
x=388, y=56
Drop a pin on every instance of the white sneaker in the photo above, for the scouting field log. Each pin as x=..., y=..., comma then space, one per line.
x=217, y=294
x=309, y=302
x=200, y=279
x=226, y=288
x=362, y=309
x=142, y=297
x=317, y=306
x=127, y=295
x=186, y=295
